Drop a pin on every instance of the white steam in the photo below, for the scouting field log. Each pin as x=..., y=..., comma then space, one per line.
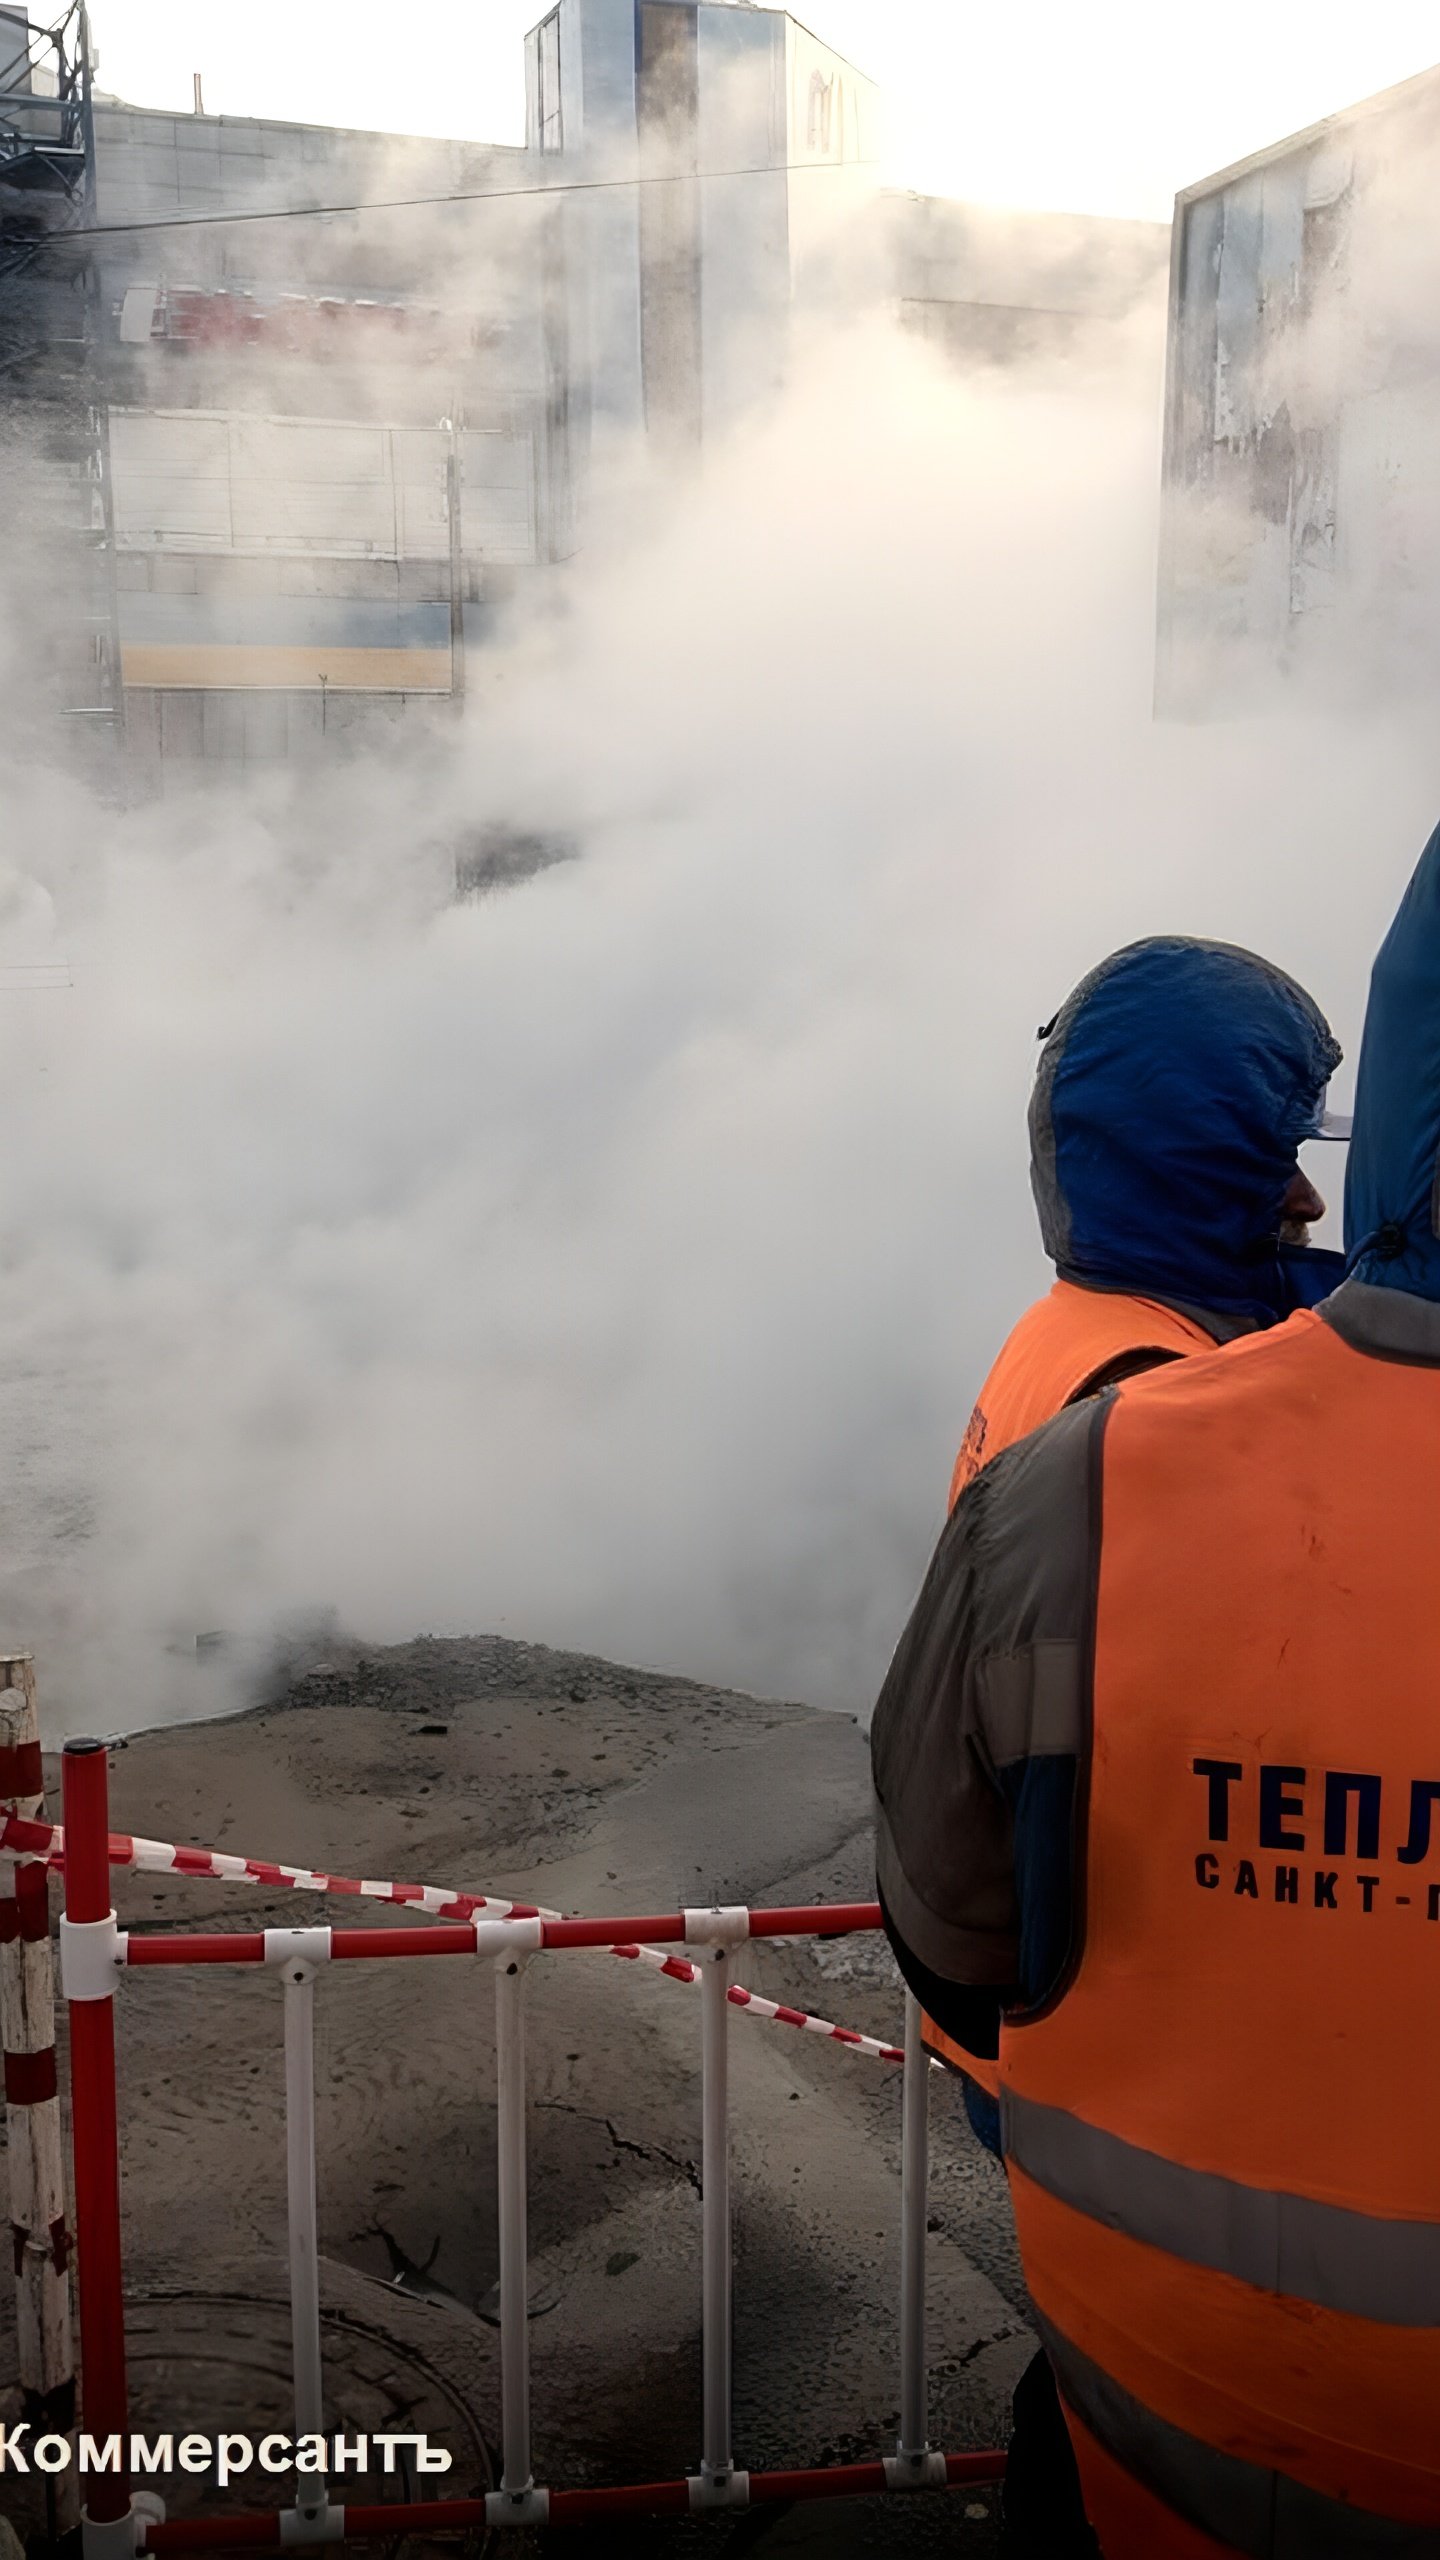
x=613, y=1261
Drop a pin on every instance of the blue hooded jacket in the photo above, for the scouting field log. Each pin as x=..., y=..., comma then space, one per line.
x=1392, y=1187
x=1173, y=1093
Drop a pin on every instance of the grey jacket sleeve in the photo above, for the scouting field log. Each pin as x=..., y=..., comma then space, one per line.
x=991, y=1675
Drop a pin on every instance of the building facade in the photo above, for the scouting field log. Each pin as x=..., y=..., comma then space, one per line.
x=1301, y=527
x=335, y=402
x=330, y=447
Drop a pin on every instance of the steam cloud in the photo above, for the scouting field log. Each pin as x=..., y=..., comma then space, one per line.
x=613, y=1261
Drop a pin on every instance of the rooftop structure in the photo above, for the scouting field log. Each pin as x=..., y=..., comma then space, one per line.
x=987, y=283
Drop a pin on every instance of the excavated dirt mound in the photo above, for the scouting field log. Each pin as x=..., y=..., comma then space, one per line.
x=491, y=1766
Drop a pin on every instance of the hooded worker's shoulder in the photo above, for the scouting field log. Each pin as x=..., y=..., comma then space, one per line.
x=1177, y=1418
x=1083, y=1326
x=1012, y=1579
x=1386, y=1324
x=1229, y=1369
x=1063, y=1347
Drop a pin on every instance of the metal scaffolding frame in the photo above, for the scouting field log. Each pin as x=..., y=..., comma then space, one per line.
x=48, y=209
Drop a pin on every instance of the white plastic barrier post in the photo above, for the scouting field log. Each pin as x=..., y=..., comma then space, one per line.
x=715, y=2465
x=711, y=1936
x=298, y=1976
x=45, y=2356
x=515, y=2477
x=914, y=2440
x=517, y=2501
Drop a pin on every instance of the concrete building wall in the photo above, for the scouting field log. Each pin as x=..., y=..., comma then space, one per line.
x=1302, y=532
x=150, y=163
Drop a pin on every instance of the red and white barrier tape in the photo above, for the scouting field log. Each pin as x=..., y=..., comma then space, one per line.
x=162, y=1857
x=680, y=1969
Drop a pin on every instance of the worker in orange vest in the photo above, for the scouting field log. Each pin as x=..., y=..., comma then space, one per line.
x=1172, y=1093
x=1171, y=1097
x=1197, y=1615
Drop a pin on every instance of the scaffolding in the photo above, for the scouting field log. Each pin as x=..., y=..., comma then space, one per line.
x=47, y=133
x=52, y=370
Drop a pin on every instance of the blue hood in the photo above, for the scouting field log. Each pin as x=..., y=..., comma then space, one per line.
x=1392, y=1190
x=1173, y=1092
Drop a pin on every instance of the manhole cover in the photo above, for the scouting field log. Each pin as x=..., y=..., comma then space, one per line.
x=209, y=2363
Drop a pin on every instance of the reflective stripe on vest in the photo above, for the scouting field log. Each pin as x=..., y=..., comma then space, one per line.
x=1060, y=1344
x=1320, y=2253
x=1237, y=2507
x=1222, y=2134
x=1129, y=2515
x=1344, y=2406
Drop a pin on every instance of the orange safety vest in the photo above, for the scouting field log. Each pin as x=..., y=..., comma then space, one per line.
x=1060, y=1345
x=1222, y=2135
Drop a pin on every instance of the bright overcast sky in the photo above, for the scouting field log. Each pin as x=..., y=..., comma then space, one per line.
x=1107, y=107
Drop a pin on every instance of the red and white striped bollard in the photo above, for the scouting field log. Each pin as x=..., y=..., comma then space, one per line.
x=38, y=2222
x=89, y=1951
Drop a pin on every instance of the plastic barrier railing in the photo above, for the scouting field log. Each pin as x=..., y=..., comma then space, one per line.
x=95, y=1952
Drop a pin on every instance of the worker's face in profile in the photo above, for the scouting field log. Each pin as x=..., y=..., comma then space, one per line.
x=1299, y=1209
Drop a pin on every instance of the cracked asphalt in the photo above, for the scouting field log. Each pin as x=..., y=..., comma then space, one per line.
x=555, y=1778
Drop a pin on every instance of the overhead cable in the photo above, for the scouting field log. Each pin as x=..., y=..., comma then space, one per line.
x=456, y=195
